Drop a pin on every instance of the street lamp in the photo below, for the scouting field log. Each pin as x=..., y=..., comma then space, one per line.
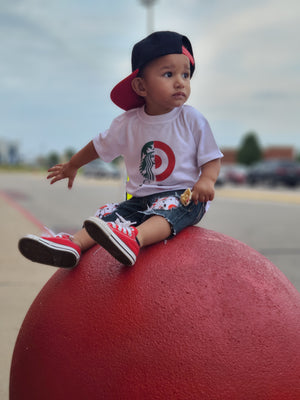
x=150, y=17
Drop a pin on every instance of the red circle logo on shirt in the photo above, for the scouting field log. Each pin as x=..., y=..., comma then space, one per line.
x=157, y=161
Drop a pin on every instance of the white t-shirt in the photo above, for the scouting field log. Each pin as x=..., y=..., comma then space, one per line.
x=161, y=153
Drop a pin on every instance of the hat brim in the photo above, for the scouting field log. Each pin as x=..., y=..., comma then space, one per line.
x=124, y=96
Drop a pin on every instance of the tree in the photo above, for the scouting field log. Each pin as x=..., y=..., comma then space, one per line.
x=250, y=150
x=52, y=159
x=68, y=153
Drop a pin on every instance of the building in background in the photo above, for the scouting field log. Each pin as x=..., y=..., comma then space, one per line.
x=279, y=152
x=272, y=152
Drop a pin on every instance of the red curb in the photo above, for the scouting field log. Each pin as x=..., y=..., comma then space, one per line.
x=25, y=213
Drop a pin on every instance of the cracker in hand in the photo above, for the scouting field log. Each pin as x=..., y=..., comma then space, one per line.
x=186, y=197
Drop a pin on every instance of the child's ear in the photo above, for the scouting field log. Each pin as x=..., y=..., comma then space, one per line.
x=138, y=86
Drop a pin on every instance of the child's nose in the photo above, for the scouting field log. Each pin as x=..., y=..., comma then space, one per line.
x=179, y=81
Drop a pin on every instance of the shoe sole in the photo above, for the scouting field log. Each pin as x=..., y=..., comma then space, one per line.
x=103, y=235
x=41, y=251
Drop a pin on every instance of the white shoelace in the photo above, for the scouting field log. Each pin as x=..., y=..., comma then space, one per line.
x=123, y=225
x=50, y=233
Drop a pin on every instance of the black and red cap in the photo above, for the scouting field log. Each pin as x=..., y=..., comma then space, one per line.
x=156, y=45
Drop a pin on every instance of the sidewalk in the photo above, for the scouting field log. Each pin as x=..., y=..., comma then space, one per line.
x=20, y=281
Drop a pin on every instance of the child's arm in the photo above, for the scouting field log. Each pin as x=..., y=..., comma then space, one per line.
x=204, y=188
x=70, y=168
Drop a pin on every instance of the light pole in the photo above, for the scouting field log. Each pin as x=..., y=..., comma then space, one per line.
x=150, y=17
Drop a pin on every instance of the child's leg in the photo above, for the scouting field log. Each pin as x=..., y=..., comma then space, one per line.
x=123, y=241
x=62, y=250
x=153, y=230
x=83, y=239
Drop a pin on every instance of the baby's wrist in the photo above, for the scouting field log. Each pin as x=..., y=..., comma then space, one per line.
x=73, y=164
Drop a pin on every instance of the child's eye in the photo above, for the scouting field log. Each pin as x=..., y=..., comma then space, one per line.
x=168, y=74
x=186, y=75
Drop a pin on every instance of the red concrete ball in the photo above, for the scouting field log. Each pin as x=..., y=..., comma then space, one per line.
x=201, y=316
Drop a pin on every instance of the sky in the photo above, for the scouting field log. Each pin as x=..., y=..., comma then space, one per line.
x=61, y=58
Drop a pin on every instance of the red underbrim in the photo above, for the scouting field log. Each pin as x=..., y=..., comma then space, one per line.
x=124, y=96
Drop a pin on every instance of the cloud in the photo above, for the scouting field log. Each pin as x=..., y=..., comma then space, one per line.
x=60, y=59
x=249, y=70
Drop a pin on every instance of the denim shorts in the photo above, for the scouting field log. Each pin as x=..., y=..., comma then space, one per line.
x=166, y=204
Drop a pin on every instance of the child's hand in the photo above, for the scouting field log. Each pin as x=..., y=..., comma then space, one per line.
x=204, y=190
x=62, y=171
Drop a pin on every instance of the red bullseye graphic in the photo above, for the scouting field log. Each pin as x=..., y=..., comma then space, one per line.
x=158, y=161
x=164, y=157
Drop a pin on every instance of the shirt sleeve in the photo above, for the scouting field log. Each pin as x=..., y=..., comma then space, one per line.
x=208, y=149
x=109, y=144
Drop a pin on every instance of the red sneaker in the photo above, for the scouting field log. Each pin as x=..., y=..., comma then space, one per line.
x=58, y=251
x=118, y=238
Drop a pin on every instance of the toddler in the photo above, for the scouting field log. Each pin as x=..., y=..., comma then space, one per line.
x=167, y=147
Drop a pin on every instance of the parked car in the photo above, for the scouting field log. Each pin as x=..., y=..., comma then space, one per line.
x=236, y=173
x=273, y=172
x=221, y=180
x=100, y=169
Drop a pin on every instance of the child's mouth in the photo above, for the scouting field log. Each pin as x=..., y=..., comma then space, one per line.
x=179, y=95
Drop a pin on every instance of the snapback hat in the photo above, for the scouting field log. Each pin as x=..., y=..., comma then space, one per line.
x=156, y=45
